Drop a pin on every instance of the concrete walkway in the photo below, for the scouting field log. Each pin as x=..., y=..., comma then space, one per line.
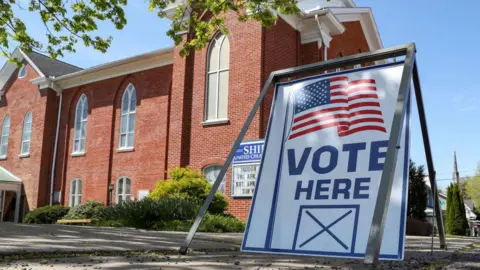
x=213, y=251
x=32, y=238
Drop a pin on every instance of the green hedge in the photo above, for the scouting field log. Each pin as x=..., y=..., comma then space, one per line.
x=145, y=213
x=46, y=214
x=210, y=223
x=89, y=210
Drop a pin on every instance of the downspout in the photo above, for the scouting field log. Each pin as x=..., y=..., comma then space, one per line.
x=54, y=158
x=325, y=48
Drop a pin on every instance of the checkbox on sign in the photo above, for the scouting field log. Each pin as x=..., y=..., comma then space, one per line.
x=327, y=228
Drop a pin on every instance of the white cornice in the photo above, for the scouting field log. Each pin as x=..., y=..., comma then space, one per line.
x=367, y=21
x=110, y=70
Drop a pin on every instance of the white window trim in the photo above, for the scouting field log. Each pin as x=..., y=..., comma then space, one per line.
x=22, y=153
x=215, y=122
x=23, y=67
x=77, y=196
x=217, y=71
x=124, y=185
x=80, y=152
x=4, y=156
x=127, y=148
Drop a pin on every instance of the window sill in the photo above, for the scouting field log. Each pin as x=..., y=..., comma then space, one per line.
x=3, y=158
x=78, y=154
x=123, y=150
x=215, y=122
x=24, y=155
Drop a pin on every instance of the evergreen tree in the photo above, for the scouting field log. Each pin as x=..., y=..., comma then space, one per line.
x=417, y=192
x=456, y=220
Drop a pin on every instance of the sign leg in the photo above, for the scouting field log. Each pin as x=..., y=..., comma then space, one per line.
x=383, y=198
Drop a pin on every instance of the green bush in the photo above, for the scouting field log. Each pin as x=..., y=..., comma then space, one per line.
x=190, y=184
x=221, y=224
x=89, y=210
x=46, y=214
x=145, y=213
x=210, y=223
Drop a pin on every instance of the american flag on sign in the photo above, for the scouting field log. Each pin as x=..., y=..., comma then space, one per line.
x=350, y=106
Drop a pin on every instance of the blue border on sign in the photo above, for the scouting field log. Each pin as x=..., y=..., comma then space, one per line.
x=399, y=255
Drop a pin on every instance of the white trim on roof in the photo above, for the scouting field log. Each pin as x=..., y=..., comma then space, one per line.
x=366, y=19
x=7, y=176
x=9, y=68
x=109, y=70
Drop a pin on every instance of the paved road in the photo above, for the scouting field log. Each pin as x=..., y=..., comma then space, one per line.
x=213, y=251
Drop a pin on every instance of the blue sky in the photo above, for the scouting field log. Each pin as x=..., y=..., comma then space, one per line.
x=443, y=30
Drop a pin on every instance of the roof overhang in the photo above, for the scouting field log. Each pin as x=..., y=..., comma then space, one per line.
x=367, y=21
x=8, y=181
x=9, y=68
x=109, y=70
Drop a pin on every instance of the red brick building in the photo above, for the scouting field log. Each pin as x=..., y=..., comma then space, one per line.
x=110, y=132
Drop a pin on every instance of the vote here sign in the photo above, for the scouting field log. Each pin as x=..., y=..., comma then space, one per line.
x=323, y=159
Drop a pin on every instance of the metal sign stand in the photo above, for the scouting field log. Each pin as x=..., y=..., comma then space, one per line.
x=410, y=72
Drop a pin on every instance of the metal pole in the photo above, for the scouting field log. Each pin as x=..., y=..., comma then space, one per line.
x=388, y=173
x=434, y=197
x=275, y=76
x=2, y=203
x=17, y=205
x=428, y=154
x=221, y=175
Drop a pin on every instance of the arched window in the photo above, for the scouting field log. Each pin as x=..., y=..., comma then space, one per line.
x=123, y=189
x=211, y=173
x=127, y=124
x=4, y=139
x=217, y=78
x=22, y=72
x=26, y=134
x=75, y=192
x=80, y=132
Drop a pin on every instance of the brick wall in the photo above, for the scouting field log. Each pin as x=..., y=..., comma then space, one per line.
x=102, y=163
x=20, y=97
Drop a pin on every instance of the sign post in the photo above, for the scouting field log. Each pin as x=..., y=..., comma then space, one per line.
x=330, y=155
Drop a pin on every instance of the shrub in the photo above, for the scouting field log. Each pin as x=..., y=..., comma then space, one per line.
x=418, y=227
x=46, y=214
x=221, y=224
x=89, y=210
x=190, y=184
x=145, y=213
x=210, y=223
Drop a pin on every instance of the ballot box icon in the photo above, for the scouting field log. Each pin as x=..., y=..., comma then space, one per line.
x=327, y=229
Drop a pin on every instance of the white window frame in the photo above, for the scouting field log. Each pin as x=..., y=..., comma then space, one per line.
x=82, y=101
x=124, y=195
x=222, y=188
x=23, y=68
x=218, y=39
x=130, y=113
x=27, y=129
x=75, y=198
x=4, y=137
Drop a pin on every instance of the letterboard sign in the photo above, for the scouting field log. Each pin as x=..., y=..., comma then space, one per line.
x=245, y=167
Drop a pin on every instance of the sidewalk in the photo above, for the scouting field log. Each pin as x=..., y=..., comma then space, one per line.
x=211, y=251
